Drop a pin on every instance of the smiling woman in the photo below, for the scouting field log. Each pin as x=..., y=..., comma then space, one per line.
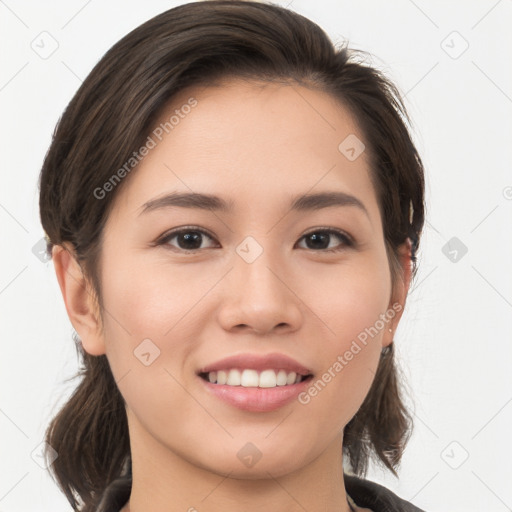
x=235, y=295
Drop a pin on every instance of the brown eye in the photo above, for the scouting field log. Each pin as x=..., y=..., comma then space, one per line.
x=322, y=240
x=186, y=239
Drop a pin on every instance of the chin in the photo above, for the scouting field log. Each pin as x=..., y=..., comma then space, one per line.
x=241, y=466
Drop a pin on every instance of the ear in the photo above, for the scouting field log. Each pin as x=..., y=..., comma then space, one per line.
x=79, y=299
x=400, y=290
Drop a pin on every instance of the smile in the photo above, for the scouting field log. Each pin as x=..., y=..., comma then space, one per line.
x=255, y=382
x=250, y=378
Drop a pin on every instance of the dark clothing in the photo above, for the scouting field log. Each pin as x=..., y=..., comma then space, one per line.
x=375, y=497
x=367, y=495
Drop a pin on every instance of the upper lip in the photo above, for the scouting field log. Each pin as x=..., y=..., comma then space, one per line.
x=257, y=362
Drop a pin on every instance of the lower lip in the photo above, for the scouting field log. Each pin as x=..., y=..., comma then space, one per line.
x=257, y=399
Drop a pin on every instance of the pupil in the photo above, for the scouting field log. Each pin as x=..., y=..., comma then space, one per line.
x=187, y=238
x=323, y=237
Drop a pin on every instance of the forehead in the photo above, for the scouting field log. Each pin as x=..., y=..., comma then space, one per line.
x=255, y=112
x=252, y=142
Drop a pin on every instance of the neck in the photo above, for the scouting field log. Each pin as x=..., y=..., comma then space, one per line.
x=164, y=481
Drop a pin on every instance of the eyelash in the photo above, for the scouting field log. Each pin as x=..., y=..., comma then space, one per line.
x=346, y=239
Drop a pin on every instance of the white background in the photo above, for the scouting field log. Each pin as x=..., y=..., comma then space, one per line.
x=454, y=339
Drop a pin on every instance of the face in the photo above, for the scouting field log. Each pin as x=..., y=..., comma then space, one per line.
x=299, y=287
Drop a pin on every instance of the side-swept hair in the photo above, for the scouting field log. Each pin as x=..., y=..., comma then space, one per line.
x=112, y=114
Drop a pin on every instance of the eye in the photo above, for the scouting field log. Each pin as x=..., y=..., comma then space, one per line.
x=187, y=239
x=321, y=240
x=191, y=239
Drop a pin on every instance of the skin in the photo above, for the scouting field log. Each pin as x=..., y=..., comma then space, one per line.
x=258, y=145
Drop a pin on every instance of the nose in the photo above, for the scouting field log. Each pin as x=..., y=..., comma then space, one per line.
x=258, y=297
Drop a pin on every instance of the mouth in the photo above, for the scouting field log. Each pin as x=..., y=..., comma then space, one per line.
x=255, y=382
x=251, y=378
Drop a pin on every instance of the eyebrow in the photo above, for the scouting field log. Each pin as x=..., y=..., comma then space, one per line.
x=302, y=203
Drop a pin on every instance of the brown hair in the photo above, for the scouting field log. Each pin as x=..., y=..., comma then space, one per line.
x=111, y=115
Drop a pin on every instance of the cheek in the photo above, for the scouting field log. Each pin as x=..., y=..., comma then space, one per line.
x=349, y=299
x=152, y=326
x=353, y=309
x=150, y=333
x=154, y=300
x=349, y=365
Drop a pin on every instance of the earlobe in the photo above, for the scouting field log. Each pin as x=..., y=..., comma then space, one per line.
x=79, y=299
x=401, y=288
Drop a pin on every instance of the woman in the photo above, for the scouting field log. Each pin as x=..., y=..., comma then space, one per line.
x=233, y=207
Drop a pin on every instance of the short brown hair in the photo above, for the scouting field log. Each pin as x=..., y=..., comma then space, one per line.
x=111, y=115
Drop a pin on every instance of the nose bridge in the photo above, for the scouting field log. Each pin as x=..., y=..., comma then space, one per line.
x=257, y=295
x=258, y=279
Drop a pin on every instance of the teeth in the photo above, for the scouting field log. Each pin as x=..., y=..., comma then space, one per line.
x=248, y=379
x=252, y=379
x=282, y=378
x=268, y=379
x=234, y=378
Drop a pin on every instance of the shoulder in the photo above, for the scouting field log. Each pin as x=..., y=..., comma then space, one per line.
x=364, y=493
x=375, y=497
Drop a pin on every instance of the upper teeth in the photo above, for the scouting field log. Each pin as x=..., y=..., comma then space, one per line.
x=251, y=378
